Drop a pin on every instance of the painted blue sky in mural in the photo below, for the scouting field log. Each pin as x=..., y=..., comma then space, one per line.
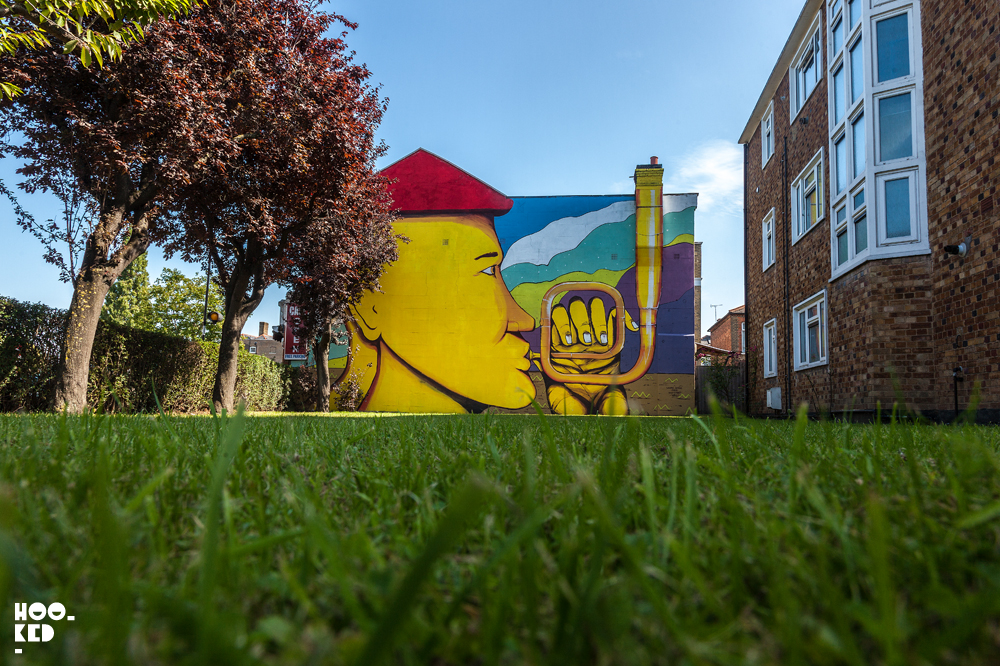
x=543, y=98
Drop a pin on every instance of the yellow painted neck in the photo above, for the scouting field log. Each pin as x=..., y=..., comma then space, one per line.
x=398, y=388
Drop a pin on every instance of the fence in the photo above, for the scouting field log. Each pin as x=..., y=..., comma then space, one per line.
x=725, y=380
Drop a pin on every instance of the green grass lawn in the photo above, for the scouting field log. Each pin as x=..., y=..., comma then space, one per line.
x=500, y=540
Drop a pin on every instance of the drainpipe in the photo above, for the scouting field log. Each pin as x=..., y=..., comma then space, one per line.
x=746, y=291
x=957, y=377
x=789, y=347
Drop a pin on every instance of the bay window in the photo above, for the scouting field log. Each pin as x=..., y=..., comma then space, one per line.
x=878, y=172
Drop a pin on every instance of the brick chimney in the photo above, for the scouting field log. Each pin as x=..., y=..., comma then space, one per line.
x=265, y=330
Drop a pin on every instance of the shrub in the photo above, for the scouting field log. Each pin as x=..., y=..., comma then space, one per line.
x=30, y=337
x=126, y=366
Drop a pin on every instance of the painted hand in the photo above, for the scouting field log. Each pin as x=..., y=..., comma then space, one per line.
x=584, y=328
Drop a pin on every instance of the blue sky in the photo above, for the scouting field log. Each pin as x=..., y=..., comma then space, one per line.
x=543, y=97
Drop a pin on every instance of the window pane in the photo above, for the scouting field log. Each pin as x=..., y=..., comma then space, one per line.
x=822, y=318
x=859, y=199
x=858, y=138
x=838, y=37
x=811, y=209
x=842, y=248
x=857, y=71
x=839, y=103
x=895, y=127
x=897, y=208
x=774, y=351
x=813, y=342
x=835, y=8
x=861, y=234
x=841, y=150
x=802, y=337
x=893, y=48
x=841, y=215
x=854, y=9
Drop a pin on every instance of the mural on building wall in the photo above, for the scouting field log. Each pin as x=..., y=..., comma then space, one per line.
x=585, y=303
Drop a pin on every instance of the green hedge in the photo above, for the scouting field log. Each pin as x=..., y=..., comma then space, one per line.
x=125, y=366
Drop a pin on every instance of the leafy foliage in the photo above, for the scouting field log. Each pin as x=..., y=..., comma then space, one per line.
x=128, y=365
x=243, y=122
x=30, y=335
x=503, y=540
x=95, y=29
x=180, y=305
x=118, y=136
x=130, y=300
x=174, y=304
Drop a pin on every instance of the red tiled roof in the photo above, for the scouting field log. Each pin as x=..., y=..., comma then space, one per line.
x=426, y=183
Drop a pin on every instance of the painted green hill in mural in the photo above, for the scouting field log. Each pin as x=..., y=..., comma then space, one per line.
x=529, y=294
x=678, y=224
x=594, y=252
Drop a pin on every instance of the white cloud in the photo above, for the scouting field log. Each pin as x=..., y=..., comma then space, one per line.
x=715, y=171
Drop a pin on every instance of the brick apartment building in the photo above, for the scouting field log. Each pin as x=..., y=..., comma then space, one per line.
x=729, y=332
x=870, y=159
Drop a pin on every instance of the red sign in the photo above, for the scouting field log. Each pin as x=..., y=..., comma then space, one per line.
x=295, y=347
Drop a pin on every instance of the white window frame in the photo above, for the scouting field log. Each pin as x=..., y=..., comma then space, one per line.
x=253, y=350
x=743, y=337
x=877, y=172
x=798, y=197
x=767, y=240
x=807, y=49
x=823, y=315
x=899, y=9
x=877, y=133
x=767, y=136
x=771, y=348
x=883, y=236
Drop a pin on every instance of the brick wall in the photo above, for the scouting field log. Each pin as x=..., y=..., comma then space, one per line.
x=962, y=105
x=807, y=261
x=721, y=334
x=726, y=333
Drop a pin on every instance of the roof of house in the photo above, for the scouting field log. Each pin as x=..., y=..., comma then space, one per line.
x=791, y=47
x=425, y=184
x=709, y=349
x=724, y=318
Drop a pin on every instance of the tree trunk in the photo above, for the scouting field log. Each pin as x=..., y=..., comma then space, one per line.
x=229, y=347
x=321, y=352
x=244, y=292
x=81, y=327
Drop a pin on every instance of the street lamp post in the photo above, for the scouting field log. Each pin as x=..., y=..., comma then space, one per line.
x=208, y=284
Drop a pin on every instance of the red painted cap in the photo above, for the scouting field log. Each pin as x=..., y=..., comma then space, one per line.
x=426, y=183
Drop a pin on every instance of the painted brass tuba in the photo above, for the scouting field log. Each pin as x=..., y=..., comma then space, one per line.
x=648, y=279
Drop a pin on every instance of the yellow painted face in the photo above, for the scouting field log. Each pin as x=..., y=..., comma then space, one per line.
x=445, y=311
